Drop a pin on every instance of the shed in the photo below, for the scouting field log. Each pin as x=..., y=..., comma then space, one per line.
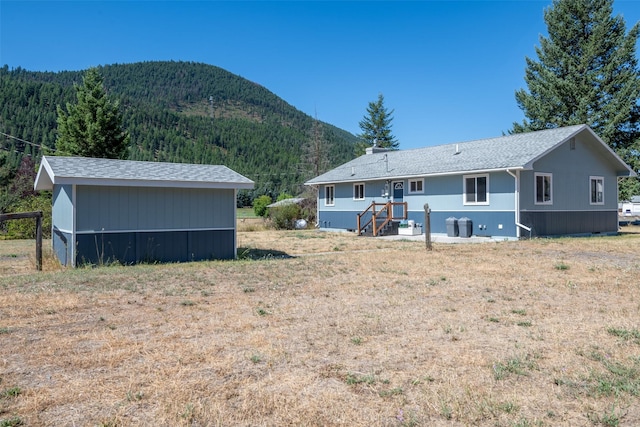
x=107, y=210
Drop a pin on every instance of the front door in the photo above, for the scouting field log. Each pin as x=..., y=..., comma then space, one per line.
x=398, y=197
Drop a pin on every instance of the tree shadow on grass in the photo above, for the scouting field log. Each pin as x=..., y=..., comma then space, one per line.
x=259, y=254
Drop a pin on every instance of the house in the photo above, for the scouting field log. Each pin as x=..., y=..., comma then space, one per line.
x=630, y=207
x=561, y=181
x=286, y=202
x=107, y=210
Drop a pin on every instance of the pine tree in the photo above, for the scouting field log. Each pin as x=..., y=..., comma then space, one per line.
x=587, y=73
x=376, y=128
x=93, y=126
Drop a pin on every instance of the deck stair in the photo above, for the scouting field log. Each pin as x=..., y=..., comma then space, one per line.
x=379, y=220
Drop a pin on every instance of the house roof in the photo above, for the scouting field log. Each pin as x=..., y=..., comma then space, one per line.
x=285, y=202
x=110, y=172
x=517, y=151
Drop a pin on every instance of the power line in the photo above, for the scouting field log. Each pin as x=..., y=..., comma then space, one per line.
x=33, y=144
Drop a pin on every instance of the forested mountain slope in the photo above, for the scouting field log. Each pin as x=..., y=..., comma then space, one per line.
x=179, y=112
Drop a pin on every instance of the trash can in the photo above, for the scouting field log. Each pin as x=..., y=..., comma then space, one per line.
x=464, y=227
x=452, y=227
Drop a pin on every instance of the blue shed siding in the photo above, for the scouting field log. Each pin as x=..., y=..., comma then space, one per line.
x=133, y=247
x=146, y=209
x=62, y=223
x=62, y=209
x=136, y=224
x=62, y=243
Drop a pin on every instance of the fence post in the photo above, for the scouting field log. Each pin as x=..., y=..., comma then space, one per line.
x=39, y=241
x=427, y=226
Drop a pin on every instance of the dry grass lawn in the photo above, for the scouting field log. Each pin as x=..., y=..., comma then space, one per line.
x=313, y=328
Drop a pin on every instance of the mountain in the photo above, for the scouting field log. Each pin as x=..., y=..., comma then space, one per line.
x=179, y=112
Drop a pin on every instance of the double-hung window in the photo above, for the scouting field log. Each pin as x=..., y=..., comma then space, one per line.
x=543, y=189
x=416, y=186
x=476, y=189
x=329, y=191
x=596, y=187
x=358, y=191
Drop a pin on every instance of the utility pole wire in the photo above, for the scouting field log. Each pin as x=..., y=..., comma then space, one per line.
x=33, y=144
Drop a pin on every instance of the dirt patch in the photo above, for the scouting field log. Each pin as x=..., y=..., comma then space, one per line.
x=341, y=331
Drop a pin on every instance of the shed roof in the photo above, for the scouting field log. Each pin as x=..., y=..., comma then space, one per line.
x=517, y=151
x=110, y=172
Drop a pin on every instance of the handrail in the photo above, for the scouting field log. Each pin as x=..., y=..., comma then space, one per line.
x=387, y=207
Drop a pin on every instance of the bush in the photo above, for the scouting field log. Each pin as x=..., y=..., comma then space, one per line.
x=283, y=196
x=284, y=217
x=260, y=205
x=26, y=228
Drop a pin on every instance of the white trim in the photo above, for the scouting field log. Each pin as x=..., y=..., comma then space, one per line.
x=429, y=175
x=509, y=210
x=416, y=180
x=333, y=194
x=591, y=179
x=73, y=222
x=235, y=220
x=535, y=188
x=62, y=230
x=158, y=230
x=147, y=183
x=571, y=210
x=464, y=189
x=464, y=210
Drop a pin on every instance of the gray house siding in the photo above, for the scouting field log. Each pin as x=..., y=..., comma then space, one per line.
x=571, y=210
x=558, y=223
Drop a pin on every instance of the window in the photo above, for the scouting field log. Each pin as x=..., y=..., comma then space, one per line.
x=597, y=190
x=416, y=186
x=476, y=190
x=358, y=191
x=328, y=195
x=543, y=191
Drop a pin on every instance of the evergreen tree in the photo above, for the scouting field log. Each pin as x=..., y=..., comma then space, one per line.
x=93, y=126
x=586, y=72
x=376, y=128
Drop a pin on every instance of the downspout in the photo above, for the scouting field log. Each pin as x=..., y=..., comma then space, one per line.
x=516, y=177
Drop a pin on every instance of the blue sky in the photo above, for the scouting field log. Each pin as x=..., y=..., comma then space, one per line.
x=448, y=69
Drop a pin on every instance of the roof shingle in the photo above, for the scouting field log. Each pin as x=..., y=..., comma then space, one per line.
x=517, y=151
x=91, y=171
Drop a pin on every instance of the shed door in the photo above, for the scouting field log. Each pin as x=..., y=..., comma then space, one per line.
x=398, y=197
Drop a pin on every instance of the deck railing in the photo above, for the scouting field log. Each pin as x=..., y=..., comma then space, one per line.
x=385, y=213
